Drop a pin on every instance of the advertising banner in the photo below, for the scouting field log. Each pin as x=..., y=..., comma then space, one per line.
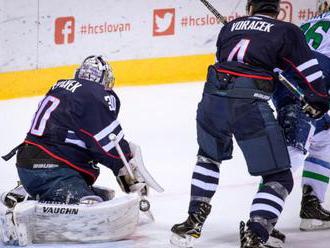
x=147, y=41
x=43, y=33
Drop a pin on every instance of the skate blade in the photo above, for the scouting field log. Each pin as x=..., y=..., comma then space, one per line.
x=181, y=242
x=274, y=243
x=309, y=225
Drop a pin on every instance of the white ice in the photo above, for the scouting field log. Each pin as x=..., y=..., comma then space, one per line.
x=162, y=120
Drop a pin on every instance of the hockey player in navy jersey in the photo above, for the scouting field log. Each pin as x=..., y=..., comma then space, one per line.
x=69, y=136
x=234, y=102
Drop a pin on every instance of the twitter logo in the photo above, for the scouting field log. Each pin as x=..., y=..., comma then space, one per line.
x=164, y=22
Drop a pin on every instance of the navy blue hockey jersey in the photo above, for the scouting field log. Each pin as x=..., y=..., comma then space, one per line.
x=253, y=46
x=73, y=123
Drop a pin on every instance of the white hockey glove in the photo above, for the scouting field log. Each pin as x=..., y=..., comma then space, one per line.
x=141, y=176
x=126, y=182
x=129, y=184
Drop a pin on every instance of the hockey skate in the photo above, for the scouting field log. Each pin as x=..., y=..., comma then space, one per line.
x=249, y=239
x=313, y=215
x=276, y=239
x=185, y=233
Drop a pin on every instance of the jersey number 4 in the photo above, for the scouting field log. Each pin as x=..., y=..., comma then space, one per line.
x=46, y=107
x=239, y=51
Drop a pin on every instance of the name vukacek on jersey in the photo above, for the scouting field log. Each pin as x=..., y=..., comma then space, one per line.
x=252, y=25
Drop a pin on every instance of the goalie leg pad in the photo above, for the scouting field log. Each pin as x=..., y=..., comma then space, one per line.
x=16, y=223
x=37, y=222
x=8, y=232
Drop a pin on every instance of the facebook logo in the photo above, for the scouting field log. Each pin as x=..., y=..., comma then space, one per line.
x=64, y=30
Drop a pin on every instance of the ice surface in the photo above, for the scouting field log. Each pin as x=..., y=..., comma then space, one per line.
x=162, y=120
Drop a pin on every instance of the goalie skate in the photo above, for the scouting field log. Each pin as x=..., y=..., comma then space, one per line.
x=12, y=197
x=8, y=231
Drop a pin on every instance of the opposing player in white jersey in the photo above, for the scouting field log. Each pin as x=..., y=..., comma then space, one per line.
x=317, y=33
x=305, y=136
x=317, y=164
x=316, y=172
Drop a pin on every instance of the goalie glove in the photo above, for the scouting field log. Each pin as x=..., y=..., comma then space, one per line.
x=129, y=184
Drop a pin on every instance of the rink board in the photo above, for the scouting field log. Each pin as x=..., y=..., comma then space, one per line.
x=148, y=42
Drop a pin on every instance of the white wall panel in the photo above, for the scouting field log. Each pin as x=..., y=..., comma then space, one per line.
x=188, y=26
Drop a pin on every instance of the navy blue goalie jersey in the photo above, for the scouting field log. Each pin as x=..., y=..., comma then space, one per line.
x=72, y=124
x=253, y=46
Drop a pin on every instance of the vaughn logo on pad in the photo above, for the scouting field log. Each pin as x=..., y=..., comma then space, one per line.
x=163, y=22
x=59, y=210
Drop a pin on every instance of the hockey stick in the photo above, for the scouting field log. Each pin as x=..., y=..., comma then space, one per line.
x=292, y=88
x=144, y=204
x=298, y=94
x=214, y=11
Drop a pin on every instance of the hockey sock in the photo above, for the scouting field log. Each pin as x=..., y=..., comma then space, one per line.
x=268, y=203
x=204, y=183
x=316, y=174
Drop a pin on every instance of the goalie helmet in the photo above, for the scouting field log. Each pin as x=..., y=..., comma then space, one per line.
x=96, y=69
x=263, y=6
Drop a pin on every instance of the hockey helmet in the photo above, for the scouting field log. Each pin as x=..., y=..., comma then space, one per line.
x=96, y=69
x=263, y=6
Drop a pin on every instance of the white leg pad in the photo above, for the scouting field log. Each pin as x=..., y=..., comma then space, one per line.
x=60, y=223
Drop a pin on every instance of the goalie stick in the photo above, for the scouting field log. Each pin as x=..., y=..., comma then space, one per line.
x=144, y=203
x=292, y=88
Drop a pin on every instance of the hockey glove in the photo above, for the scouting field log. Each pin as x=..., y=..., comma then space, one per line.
x=129, y=184
x=313, y=111
x=315, y=107
x=296, y=125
